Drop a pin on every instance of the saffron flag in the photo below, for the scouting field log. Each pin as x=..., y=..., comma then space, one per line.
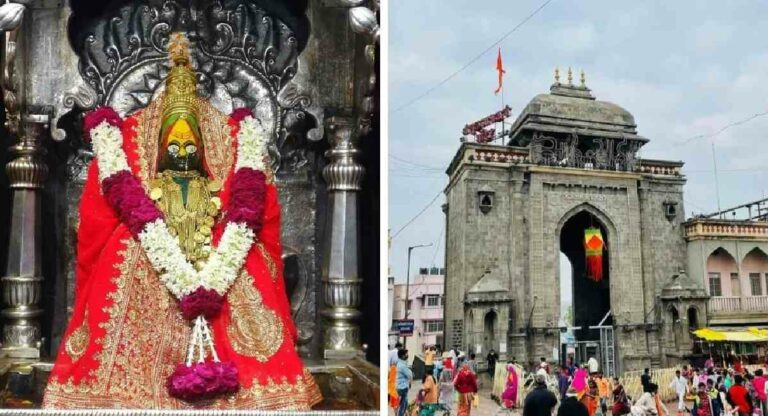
x=500, y=69
x=593, y=246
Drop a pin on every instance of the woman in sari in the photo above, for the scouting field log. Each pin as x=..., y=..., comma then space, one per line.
x=466, y=386
x=703, y=402
x=620, y=403
x=429, y=404
x=580, y=381
x=590, y=397
x=445, y=398
x=509, y=396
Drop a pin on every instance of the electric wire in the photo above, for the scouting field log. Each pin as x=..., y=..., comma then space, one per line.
x=437, y=244
x=440, y=192
x=473, y=60
x=722, y=129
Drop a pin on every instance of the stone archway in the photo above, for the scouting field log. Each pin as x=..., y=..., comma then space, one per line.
x=470, y=325
x=693, y=318
x=675, y=326
x=490, y=321
x=590, y=300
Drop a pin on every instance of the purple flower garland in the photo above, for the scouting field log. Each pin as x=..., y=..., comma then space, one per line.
x=202, y=380
x=125, y=194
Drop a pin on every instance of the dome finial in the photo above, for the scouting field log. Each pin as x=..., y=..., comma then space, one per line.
x=570, y=76
x=557, y=75
x=583, y=79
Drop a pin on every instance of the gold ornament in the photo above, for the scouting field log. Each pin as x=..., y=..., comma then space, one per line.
x=191, y=222
x=181, y=84
x=155, y=194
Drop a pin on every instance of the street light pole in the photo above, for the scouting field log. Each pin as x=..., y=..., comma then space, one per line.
x=408, y=281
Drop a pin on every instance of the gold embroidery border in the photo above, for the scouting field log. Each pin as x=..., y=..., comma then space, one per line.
x=300, y=395
x=253, y=330
x=98, y=391
x=77, y=342
x=268, y=260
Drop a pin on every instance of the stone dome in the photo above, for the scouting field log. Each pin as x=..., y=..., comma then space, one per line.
x=573, y=109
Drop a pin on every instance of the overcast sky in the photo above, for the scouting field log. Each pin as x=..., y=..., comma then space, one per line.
x=682, y=68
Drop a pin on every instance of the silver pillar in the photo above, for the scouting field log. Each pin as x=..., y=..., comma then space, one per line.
x=21, y=285
x=341, y=283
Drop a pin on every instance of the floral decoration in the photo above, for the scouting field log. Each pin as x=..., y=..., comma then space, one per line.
x=201, y=293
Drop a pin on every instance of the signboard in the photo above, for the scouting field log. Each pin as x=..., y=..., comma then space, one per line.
x=493, y=118
x=502, y=347
x=479, y=130
x=405, y=327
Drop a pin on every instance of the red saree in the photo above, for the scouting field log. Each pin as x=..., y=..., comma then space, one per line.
x=127, y=334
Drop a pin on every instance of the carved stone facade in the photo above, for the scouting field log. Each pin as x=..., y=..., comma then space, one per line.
x=570, y=163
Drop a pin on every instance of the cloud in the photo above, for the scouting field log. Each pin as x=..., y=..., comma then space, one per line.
x=573, y=39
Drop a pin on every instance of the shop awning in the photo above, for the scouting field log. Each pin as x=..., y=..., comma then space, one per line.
x=740, y=335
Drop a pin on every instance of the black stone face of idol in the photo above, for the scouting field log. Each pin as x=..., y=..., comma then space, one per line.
x=173, y=160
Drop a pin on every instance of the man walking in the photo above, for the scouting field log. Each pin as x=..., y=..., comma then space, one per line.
x=492, y=358
x=540, y=401
x=680, y=385
x=429, y=360
x=404, y=377
x=645, y=380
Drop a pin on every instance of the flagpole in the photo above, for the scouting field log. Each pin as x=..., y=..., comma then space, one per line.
x=502, y=109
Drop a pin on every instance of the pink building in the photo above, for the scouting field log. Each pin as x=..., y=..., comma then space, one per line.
x=729, y=256
x=737, y=286
x=426, y=302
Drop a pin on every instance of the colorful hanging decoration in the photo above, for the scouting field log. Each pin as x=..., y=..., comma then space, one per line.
x=593, y=246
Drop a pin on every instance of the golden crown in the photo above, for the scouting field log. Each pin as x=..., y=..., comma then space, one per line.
x=181, y=83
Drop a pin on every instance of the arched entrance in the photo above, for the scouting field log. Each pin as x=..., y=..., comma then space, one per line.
x=586, y=303
x=693, y=319
x=489, y=330
x=677, y=328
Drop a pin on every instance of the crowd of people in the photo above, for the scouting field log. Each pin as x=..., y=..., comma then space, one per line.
x=583, y=391
x=732, y=390
x=450, y=380
x=710, y=391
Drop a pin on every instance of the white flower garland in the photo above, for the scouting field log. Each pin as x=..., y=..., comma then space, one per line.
x=251, y=144
x=108, y=146
x=164, y=253
x=225, y=263
x=162, y=249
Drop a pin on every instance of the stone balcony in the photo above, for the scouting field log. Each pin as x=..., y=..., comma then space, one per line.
x=737, y=310
x=505, y=155
x=738, y=304
x=705, y=229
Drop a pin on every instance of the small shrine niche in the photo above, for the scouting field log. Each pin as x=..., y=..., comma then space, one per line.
x=485, y=199
x=670, y=210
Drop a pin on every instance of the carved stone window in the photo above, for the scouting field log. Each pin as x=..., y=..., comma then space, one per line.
x=485, y=200
x=670, y=210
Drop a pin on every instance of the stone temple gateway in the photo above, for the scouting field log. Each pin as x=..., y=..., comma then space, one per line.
x=570, y=162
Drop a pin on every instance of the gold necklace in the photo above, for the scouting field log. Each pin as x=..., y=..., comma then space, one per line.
x=192, y=222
